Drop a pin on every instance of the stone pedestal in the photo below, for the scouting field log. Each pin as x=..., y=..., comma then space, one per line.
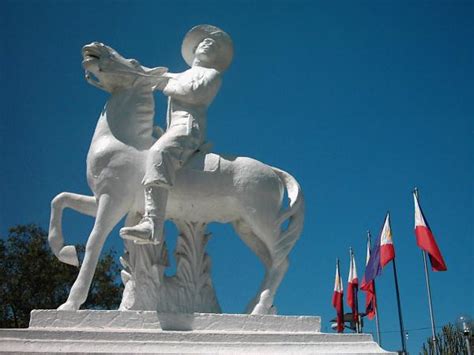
x=129, y=332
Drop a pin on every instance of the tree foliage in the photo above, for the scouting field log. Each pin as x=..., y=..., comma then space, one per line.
x=32, y=278
x=450, y=341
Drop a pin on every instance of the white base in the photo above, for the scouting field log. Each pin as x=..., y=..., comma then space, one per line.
x=129, y=332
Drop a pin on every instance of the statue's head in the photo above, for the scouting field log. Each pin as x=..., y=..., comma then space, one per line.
x=109, y=71
x=208, y=45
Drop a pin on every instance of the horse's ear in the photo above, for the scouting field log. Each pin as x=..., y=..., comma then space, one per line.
x=158, y=71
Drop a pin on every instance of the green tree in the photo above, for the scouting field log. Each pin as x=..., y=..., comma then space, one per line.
x=32, y=278
x=450, y=341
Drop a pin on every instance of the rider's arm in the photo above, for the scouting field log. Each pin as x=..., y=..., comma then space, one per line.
x=200, y=89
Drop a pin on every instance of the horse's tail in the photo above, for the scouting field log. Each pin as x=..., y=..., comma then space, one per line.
x=294, y=214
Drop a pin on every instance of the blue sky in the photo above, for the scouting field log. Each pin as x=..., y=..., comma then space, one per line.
x=360, y=101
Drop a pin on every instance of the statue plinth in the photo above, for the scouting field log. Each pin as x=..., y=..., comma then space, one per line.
x=90, y=331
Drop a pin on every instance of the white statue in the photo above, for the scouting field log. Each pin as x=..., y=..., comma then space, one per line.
x=208, y=50
x=150, y=179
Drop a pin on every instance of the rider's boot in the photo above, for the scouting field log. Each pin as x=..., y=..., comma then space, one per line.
x=150, y=229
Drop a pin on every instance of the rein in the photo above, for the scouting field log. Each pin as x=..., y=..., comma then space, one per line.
x=127, y=71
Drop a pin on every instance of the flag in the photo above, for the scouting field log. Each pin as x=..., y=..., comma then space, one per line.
x=425, y=238
x=369, y=288
x=387, y=252
x=337, y=300
x=382, y=253
x=370, y=299
x=352, y=288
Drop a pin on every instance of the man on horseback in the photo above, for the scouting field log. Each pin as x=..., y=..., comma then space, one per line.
x=208, y=50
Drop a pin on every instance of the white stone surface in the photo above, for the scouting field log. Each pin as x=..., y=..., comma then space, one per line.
x=139, y=332
x=152, y=320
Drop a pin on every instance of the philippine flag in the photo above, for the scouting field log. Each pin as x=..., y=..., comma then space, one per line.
x=353, y=287
x=382, y=253
x=337, y=300
x=425, y=238
x=387, y=251
x=369, y=288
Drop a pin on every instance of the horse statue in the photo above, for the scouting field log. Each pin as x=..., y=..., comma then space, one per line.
x=209, y=188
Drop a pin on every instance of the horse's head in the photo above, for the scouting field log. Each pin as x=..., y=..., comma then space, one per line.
x=109, y=71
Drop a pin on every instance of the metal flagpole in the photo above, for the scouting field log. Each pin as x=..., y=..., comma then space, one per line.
x=342, y=300
x=357, y=320
x=402, y=330
x=428, y=289
x=356, y=300
x=379, y=338
x=377, y=324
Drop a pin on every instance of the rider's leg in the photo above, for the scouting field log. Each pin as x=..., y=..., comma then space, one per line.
x=166, y=156
x=150, y=229
x=159, y=178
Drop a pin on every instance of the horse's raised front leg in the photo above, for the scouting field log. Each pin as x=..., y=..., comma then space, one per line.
x=109, y=212
x=80, y=203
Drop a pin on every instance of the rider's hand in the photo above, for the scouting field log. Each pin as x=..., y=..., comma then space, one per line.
x=161, y=83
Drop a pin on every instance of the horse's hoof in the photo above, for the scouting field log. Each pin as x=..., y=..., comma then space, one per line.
x=260, y=310
x=68, y=255
x=264, y=306
x=68, y=306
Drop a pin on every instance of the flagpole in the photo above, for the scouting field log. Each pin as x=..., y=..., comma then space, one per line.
x=342, y=300
x=377, y=324
x=357, y=322
x=354, y=294
x=402, y=330
x=428, y=289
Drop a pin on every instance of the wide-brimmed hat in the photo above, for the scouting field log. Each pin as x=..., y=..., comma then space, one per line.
x=197, y=34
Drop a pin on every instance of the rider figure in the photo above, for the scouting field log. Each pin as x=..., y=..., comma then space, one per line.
x=208, y=50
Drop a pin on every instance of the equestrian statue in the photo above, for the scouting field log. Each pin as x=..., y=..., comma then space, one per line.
x=138, y=171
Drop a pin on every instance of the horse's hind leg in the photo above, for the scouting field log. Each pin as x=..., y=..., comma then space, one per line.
x=256, y=244
x=110, y=211
x=80, y=203
x=253, y=236
x=264, y=299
